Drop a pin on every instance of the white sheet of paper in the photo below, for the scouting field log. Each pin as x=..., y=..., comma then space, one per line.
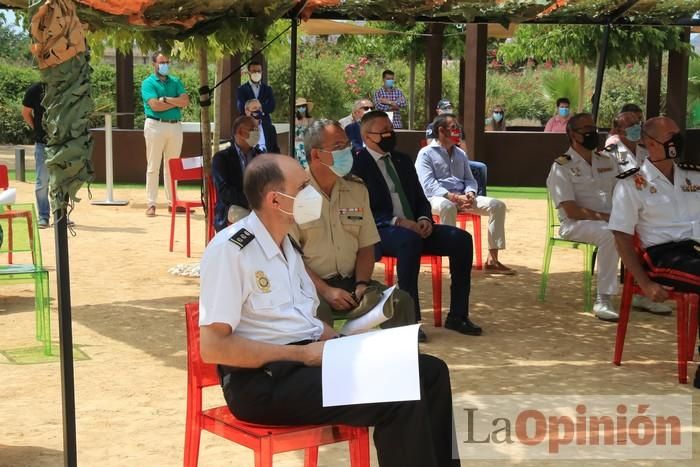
x=379, y=366
x=8, y=196
x=391, y=116
x=192, y=162
x=372, y=318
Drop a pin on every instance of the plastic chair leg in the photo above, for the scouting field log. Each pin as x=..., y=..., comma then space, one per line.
x=187, y=221
x=389, y=265
x=545, y=269
x=436, y=266
x=692, y=325
x=172, y=227
x=588, y=278
x=43, y=312
x=311, y=457
x=359, y=448
x=193, y=435
x=682, y=332
x=625, y=306
x=263, y=456
x=476, y=222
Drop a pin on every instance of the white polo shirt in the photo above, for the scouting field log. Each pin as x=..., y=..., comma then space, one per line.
x=660, y=211
x=250, y=285
x=590, y=186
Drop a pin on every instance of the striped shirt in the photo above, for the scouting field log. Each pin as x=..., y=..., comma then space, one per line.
x=395, y=95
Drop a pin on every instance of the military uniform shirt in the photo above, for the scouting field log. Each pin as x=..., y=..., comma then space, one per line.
x=589, y=186
x=660, y=212
x=331, y=243
x=262, y=294
x=626, y=159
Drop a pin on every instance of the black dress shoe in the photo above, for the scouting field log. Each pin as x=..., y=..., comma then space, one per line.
x=422, y=336
x=463, y=326
x=696, y=381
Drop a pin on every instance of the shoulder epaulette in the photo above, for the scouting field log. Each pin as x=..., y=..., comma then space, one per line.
x=241, y=238
x=689, y=166
x=295, y=245
x=561, y=160
x=627, y=173
x=354, y=178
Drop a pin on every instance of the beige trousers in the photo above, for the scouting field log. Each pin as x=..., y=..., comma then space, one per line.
x=163, y=142
x=484, y=206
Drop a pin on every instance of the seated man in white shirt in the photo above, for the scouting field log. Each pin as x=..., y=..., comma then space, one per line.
x=257, y=322
x=622, y=142
x=448, y=183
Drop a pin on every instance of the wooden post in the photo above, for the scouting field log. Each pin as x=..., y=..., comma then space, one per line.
x=205, y=129
x=653, y=86
x=433, y=68
x=475, y=89
x=225, y=96
x=581, y=87
x=125, y=90
x=460, y=101
x=412, y=90
x=677, y=92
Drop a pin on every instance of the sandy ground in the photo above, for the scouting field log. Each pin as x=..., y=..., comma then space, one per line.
x=128, y=318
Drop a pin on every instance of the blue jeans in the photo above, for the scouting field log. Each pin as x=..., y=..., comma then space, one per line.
x=479, y=171
x=42, y=182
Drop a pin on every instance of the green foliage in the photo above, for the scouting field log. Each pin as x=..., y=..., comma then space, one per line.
x=520, y=94
x=14, y=81
x=14, y=43
x=580, y=44
x=694, y=93
x=407, y=40
x=560, y=82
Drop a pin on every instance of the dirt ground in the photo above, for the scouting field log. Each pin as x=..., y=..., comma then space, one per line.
x=128, y=318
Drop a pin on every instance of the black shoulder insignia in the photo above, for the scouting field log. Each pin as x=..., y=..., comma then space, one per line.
x=689, y=166
x=241, y=238
x=627, y=173
x=295, y=244
x=561, y=160
x=354, y=178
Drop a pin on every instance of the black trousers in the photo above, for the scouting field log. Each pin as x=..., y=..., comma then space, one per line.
x=406, y=434
x=682, y=258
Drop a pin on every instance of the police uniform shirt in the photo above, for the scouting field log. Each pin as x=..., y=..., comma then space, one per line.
x=661, y=212
x=249, y=284
x=331, y=243
x=590, y=186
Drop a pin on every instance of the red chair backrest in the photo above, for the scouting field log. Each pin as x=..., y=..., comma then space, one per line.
x=423, y=142
x=4, y=177
x=178, y=173
x=202, y=374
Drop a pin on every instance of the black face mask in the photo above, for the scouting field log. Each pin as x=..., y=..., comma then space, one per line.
x=389, y=143
x=590, y=140
x=258, y=115
x=674, y=146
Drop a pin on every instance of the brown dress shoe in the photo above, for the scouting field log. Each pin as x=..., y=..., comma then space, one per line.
x=151, y=211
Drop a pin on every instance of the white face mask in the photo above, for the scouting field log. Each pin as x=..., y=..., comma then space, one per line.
x=255, y=77
x=253, y=138
x=307, y=205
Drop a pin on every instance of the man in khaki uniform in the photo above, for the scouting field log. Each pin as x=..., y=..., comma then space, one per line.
x=338, y=248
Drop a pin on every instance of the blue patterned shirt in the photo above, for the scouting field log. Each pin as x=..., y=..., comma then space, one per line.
x=392, y=94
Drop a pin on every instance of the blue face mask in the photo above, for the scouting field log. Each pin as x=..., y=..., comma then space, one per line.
x=342, y=162
x=563, y=112
x=497, y=116
x=634, y=133
x=163, y=69
x=301, y=110
x=389, y=83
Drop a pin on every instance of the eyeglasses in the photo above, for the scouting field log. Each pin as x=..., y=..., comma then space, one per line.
x=367, y=108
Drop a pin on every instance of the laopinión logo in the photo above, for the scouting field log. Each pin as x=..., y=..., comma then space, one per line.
x=573, y=427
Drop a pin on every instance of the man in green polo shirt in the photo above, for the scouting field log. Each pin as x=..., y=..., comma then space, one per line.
x=163, y=98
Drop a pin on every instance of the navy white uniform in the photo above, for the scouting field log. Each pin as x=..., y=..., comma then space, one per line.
x=590, y=186
x=666, y=217
x=265, y=294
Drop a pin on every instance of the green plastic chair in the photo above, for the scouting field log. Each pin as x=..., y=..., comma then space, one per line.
x=21, y=262
x=553, y=239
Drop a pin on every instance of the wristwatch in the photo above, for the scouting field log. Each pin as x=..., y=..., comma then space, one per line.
x=163, y=99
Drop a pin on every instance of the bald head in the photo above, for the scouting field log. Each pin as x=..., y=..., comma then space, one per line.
x=660, y=128
x=656, y=132
x=269, y=173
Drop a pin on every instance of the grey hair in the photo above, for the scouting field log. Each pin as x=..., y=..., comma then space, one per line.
x=250, y=102
x=313, y=138
x=359, y=102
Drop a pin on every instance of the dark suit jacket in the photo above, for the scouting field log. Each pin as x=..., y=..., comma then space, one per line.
x=266, y=98
x=353, y=133
x=228, y=180
x=270, y=137
x=379, y=197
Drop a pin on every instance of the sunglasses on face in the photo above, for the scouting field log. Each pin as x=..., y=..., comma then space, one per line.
x=367, y=108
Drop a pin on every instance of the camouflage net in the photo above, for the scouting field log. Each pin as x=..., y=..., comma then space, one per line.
x=60, y=48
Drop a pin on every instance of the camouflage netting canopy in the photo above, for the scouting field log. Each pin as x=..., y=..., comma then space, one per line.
x=181, y=18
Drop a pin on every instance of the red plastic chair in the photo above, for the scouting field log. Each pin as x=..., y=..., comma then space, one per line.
x=475, y=219
x=264, y=440
x=211, y=208
x=686, y=319
x=4, y=177
x=179, y=173
x=435, y=262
